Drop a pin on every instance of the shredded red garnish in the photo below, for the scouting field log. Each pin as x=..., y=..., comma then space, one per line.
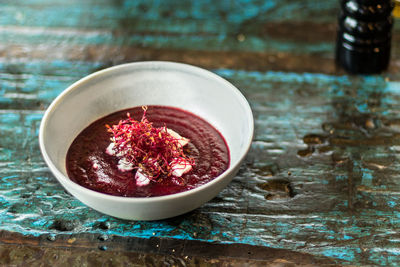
x=151, y=149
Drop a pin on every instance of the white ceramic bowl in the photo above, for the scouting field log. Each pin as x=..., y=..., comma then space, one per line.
x=146, y=83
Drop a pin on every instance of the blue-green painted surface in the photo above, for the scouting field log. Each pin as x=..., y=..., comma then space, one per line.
x=214, y=25
x=334, y=193
x=317, y=220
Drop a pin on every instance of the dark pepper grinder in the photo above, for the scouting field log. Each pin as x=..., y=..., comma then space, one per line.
x=364, y=35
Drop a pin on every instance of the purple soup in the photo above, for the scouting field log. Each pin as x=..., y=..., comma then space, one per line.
x=207, y=147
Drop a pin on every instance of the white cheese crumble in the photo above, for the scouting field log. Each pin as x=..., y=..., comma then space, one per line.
x=179, y=166
x=124, y=165
x=110, y=149
x=141, y=179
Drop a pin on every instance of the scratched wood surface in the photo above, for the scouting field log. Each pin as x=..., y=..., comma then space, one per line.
x=321, y=181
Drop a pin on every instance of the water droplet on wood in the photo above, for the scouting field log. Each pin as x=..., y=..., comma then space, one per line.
x=103, y=237
x=104, y=225
x=103, y=248
x=305, y=152
x=51, y=237
x=64, y=225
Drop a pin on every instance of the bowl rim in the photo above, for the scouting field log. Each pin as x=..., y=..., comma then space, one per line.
x=149, y=65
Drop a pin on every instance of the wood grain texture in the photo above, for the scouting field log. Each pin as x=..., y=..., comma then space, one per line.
x=321, y=177
x=76, y=250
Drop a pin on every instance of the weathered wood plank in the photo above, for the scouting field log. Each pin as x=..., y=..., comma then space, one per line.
x=196, y=40
x=108, y=14
x=255, y=35
x=326, y=202
x=250, y=25
x=272, y=53
x=206, y=25
x=322, y=173
x=107, y=56
x=66, y=250
x=33, y=85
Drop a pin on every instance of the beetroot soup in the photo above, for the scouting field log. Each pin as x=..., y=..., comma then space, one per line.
x=147, y=151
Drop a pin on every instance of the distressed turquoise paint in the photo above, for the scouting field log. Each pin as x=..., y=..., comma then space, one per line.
x=200, y=25
x=31, y=200
x=35, y=84
x=392, y=204
x=341, y=253
x=55, y=69
x=107, y=14
x=319, y=219
x=220, y=42
x=290, y=77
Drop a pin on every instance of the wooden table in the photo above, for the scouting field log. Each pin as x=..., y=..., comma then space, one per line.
x=321, y=184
